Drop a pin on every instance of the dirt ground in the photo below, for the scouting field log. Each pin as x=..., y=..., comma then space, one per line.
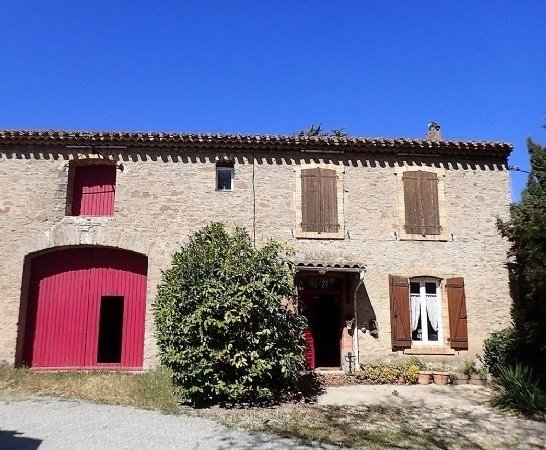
x=392, y=416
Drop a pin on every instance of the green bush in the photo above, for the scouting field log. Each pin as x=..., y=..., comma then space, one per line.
x=518, y=390
x=499, y=350
x=223, y=326
x=380, y=372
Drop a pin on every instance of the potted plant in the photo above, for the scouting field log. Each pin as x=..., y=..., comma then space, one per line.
x=440, y=375
x=463, y=375
x=424, y=376
x=479, y=377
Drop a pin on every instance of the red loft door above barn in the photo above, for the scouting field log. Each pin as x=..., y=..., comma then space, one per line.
x=94, y=190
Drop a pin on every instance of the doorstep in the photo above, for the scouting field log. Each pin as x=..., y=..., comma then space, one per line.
x=332, y=370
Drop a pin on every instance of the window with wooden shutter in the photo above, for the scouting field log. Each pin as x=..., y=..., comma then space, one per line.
x=422, y=215
x=456, y=301
x=400, y=312
x=319, y=201
x=94, y=190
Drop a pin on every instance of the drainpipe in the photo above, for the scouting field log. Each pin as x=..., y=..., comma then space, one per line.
x=356, y=350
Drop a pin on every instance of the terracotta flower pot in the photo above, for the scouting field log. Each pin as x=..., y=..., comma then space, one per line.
x=461, y=379
x=477, y=380
x=441, y=378
x=424, y=376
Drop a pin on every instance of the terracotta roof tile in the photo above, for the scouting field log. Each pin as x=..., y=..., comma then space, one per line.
x=261, y=142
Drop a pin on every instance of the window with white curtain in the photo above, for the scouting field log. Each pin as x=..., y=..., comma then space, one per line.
x=425, y=311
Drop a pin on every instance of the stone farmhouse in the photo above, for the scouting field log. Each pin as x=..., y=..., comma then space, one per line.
x=395, y=243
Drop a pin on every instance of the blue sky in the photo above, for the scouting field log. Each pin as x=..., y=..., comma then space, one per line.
x=373, y=68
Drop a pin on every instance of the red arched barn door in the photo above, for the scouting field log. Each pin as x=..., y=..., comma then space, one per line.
x=86, y=309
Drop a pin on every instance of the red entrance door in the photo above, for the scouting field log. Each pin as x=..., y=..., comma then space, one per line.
x=86, y=308
x=309, y=352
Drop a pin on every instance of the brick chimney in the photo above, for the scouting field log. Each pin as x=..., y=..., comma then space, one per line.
x=433, y=133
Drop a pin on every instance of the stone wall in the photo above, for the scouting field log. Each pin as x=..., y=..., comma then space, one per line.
x=162, y=196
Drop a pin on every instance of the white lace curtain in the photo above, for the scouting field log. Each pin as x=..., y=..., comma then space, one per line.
x=415, y=311
x=432, y=311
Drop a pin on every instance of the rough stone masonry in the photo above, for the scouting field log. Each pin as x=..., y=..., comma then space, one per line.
x=166, y=188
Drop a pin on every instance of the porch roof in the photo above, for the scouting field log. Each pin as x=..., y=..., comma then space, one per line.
x=342, y=266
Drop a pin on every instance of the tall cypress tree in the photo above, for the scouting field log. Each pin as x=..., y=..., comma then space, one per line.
x=526, y=231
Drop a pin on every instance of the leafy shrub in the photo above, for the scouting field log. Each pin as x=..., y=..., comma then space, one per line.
x=380, y=372
x=518, y=390
x=222, y=321
x=499, y=350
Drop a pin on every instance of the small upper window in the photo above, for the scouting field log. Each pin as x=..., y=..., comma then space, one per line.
x=93, y=190
x=224, y=176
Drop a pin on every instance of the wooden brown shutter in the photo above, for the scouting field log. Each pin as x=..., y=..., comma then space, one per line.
x=310, y=200
x=328, y=201
x=319, y=200
x=429, y=202
x=456, y=300
x=412, y=202
x=421, y=202
x=400, y=312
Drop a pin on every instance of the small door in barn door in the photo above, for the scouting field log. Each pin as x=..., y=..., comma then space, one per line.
x=86, y=309
x=117, y=298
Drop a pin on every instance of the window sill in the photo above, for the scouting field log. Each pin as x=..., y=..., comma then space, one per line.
x=443, y=237
x=429, y=350
x=312, y=235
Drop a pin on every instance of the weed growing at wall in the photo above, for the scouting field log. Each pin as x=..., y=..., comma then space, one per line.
x=380, y=372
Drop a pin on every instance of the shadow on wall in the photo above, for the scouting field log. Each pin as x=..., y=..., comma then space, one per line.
x=367, y=319
x=176, y=155
x=12, y=440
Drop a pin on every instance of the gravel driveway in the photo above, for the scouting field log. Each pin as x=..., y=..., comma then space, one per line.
x=53, y=423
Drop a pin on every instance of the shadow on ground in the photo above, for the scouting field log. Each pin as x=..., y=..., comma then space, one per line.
x=14, y=440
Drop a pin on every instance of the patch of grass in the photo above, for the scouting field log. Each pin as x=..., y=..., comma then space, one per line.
x=377, y=426
x=146, y=390
x=373, y=426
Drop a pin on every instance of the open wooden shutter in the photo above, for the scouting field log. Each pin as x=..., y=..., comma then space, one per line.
x=429, y=202
x=310, y=200
x=421, y=202
x=400, y=312
x=412, y=202
x=456, y=300
x=328, y=201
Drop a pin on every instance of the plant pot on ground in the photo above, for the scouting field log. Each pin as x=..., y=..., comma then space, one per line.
x=460, y=378
x=424, y=376
x=478, y=379
x=441, y=378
